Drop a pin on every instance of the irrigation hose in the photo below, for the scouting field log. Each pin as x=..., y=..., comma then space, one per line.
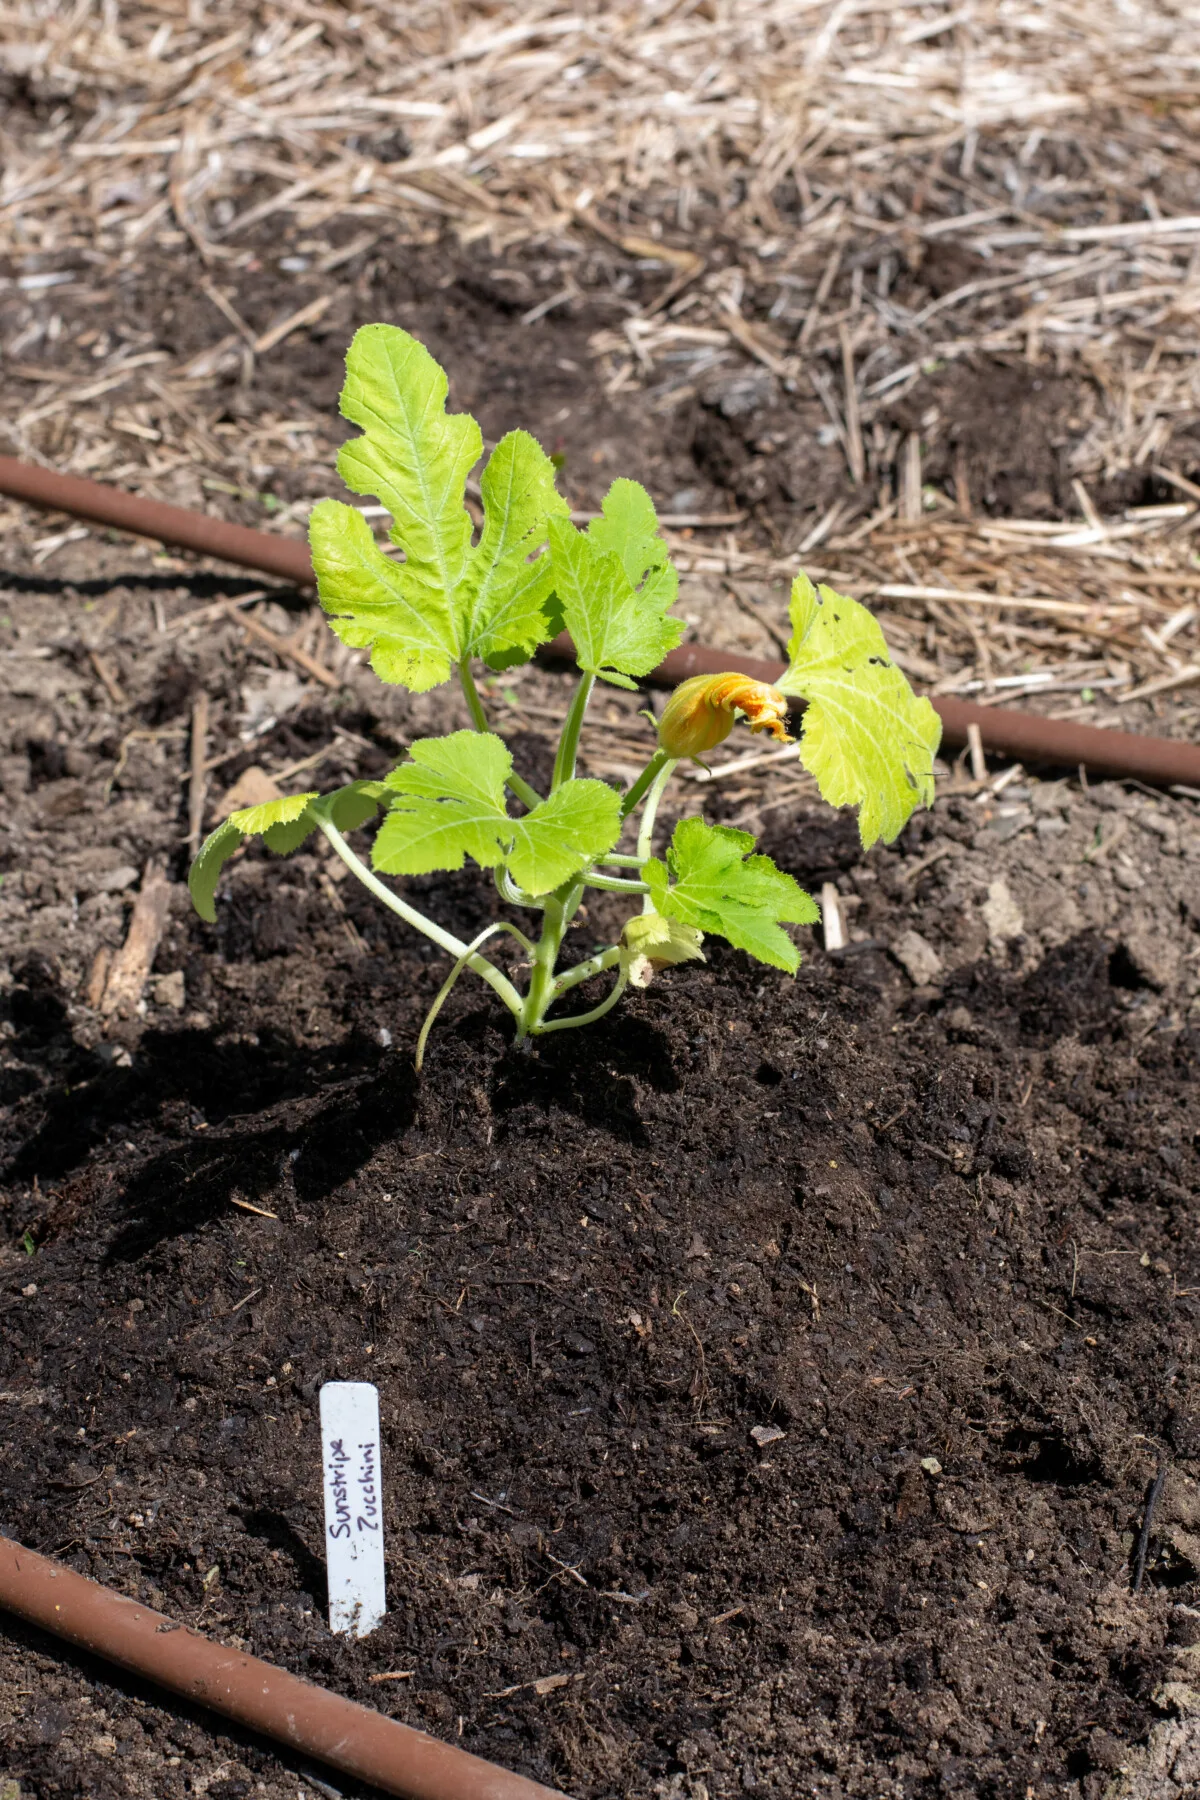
x=285, y=557
x=337, y=1731
x=1164, y=762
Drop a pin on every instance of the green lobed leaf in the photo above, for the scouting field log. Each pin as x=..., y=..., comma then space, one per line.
x=287, y=820
x=710, y=882
x=501, y=604
x=413, y=454
x=373, y=604
x=351, y=806
x=620, y=628
x=207, y=864
x=579, y=821
x=867, y=739
x=283, y=826
x=449, y=804
x=449, y=599
x=628, y=529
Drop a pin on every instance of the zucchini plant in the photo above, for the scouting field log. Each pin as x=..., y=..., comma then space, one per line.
x=460, y=599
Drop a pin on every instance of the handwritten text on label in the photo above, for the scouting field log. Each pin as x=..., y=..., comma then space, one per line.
x=353, y=1506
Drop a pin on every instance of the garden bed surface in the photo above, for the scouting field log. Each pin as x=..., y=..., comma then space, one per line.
x=771, y=1376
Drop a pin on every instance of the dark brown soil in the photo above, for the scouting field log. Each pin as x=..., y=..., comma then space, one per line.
x=886, y=1225
x=785, y=1364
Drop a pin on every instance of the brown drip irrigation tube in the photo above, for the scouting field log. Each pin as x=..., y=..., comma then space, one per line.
x=1162, y=761
x=349, y=1737
x=1165, y=761
x=285, y=557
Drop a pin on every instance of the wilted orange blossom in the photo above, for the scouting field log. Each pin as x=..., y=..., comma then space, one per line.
x=700, y=713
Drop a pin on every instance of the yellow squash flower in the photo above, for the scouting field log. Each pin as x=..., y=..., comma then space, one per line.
x=700, y=713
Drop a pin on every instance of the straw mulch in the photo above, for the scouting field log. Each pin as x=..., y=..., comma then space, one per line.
x=782, y=176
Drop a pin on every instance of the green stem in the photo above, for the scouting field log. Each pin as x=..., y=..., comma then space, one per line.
x=527, y=795
x=545, y=955
x=597, y=1012
x=471, y=695
x=568, y=743
x=619, y=862
x=443, y=992
x=445, y=940
x=612, y=884
x=645, y=844
x=508, y=890
x=595, y=965
x=648, y=775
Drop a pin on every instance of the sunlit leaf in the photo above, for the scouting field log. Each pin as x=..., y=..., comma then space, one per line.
x=449, y=803
x=614, y=585
x=709, y=881
x=449, y=599
x=288, y=820
x=867, y=739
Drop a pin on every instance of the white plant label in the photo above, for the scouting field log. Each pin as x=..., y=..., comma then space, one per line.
x=353, y=1506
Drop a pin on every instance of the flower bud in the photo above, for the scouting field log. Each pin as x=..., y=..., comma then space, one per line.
x=700, y=713
x=650, y=943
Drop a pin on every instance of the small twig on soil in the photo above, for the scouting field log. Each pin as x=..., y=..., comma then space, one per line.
x=1143, y=1543
x=196, y=778
x=1108, y=843
x=910, y=479
x=831, y=918
x=323, y=1787
x=348, y=926
x=566, y=1568
x=932, y=1150
x=108, y=680
x=856, y=454
x=307, y=315
x=757, y=759
x=979, y=768
x=219, y=609
x=93, y=992
x=1007, y=778
x=247, y=1207
x=244, y=1301
x=700, y=1384
x=135, y=958
x=926, y=862
x=284, y=647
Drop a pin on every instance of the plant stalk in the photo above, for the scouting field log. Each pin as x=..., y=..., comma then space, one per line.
x=445, y=940
x=613, y=884
x=597, y=1012
x=527, y=795
x=443, y=993
x=545, y=955
x=508, y=890
x=595, y=965
x=568, y=743
x=645, y=845
x=648, y=776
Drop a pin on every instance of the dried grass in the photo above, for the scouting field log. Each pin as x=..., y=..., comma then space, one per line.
x=780, y=162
